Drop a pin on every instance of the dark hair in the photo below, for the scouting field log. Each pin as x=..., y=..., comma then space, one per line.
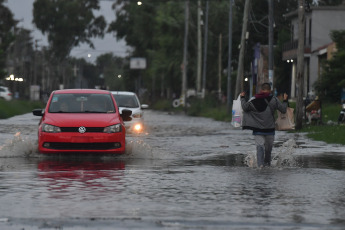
x=266, y=86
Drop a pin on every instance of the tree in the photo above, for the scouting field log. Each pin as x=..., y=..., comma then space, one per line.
x=135, y=24
x=332, y=79
x=7, y=23
x=68, y=23
x=20, y=57
x=111, y=72
x=156, y=32
x=167, y=59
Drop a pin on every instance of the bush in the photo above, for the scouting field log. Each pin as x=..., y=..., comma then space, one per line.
x=164, y=105
x=209, y=107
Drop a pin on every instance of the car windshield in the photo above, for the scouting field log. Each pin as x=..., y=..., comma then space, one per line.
x=81, y=103
x=129, y=101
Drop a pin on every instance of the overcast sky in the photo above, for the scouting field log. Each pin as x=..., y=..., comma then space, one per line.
x=22, y=10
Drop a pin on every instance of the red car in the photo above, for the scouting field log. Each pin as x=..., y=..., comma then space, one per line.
x=81, y=120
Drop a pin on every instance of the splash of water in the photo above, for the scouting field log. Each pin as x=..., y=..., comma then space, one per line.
x=250, y=160
x=18, y=146
x=21, y=146
x=282, y=156
x=137, y=148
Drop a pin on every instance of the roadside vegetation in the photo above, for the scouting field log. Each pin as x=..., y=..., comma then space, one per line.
x=328, y=131
x=17, y=107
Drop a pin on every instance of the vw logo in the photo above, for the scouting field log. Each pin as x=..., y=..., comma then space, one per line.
x=82, y=129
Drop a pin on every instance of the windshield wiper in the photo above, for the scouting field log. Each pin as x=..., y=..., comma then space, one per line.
x=62, y=112
x=93, y=111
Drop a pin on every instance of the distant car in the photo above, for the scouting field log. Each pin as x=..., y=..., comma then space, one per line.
x=130, y=101
x=82, y=121
x=5, y=93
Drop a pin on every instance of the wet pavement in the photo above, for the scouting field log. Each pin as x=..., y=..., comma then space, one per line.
x=182, y=173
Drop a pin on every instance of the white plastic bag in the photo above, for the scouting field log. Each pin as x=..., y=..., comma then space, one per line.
x=237, y=113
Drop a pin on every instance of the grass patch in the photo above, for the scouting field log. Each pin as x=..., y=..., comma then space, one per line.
x=330, y=112
x=17, y=107
x=328, y=133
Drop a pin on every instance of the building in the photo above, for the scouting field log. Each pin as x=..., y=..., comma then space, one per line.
x=320, y=21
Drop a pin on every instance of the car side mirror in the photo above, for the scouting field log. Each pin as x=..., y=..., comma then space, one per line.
x=37, y=112
x=126, y=115
x=144, y=106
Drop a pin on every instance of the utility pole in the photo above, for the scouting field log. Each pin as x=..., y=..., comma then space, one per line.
x=198, y=82
x=270, y=43
x=185, y=48
x=239, y=80
x=300, y=65
x=205, y=52
x=35, y=62
x=220, y=68
x=229, y=96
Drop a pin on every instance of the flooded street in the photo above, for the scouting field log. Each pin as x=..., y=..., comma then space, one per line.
x=183, y=173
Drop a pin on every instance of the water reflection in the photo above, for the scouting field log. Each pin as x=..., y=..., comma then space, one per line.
x=323, y=161
x=72, y=175
x=326, y=161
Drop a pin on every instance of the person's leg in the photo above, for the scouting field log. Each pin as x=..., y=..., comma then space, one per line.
x=269, y=140
x=260, y=149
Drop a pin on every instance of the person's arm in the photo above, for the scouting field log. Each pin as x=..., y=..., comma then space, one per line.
x=246, y=106
x=282, y=106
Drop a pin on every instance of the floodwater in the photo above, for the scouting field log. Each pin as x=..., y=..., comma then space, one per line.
x=183, y=173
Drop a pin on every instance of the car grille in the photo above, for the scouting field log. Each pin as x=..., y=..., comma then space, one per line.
x=88, y=129
x=82, y=146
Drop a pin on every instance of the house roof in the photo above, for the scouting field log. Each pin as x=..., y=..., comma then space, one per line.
x=294, y=13
x=323, y=47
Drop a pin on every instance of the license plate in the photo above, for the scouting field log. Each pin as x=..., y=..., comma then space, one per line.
x=80, y=139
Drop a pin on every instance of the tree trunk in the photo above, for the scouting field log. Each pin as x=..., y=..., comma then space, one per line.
x=199, y=65
x=185, y=62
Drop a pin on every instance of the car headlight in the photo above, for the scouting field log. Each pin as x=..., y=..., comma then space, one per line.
x=137, y=115
x=50, y=128
x=138, y=127
x=113, y=129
